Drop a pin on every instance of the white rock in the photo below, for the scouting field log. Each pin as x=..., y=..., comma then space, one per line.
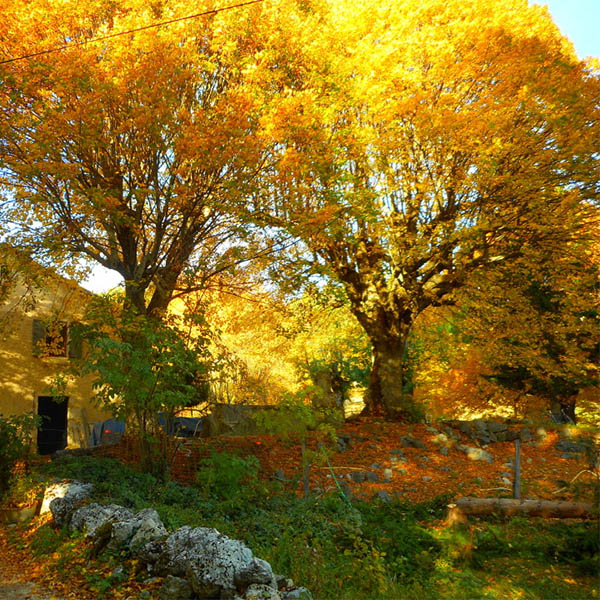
x=63, y=498
x=141, y=528
x=89, y=518
x=260, y=591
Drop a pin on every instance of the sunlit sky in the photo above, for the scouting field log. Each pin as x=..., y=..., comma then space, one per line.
x=579, y=20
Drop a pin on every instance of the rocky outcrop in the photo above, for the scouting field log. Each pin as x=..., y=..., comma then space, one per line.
x=63, y=498
x=197, y=563
x=93, y=517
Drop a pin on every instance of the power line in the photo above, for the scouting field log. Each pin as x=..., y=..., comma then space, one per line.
x=113, y=35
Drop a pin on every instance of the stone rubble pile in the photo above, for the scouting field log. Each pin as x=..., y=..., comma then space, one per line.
x=196, y=563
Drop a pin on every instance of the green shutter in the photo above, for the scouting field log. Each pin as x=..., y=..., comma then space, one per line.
x=75, y=341
x=39, y=336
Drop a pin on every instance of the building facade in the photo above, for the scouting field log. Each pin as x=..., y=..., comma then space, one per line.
x=37, y=315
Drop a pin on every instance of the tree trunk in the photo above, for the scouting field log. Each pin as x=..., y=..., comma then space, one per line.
x=387, y=384
x=135, y=297
x=526, y=508
x=563, y=410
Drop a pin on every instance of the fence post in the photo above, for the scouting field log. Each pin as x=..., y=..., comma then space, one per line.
x=517, y=467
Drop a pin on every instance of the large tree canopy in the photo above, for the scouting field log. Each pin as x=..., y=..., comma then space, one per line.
x=407, y=143
x=138, y=152
x=456, y=134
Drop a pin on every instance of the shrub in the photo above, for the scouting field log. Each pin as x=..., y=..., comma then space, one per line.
x=145, y=370
x=46, y=540
x=578, y=546
x=15, y=442
x=228, y=477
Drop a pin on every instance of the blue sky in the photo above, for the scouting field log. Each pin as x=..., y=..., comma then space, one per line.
x=579, y=20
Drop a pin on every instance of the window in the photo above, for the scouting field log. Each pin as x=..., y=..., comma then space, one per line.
x=57, y=337
x=53, y=338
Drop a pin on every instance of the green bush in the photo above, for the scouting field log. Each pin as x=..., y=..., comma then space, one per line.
x=228, y=477
x=579, y=546
x=15, y=443
x=46, y=540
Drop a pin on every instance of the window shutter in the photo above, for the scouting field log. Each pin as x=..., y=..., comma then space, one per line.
x=39, y=336
x=75, y=341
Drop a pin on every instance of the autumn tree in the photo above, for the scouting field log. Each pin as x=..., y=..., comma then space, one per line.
x=136, y=152
x=276, y=345
x=139, y=152
x=537, y=324
x=449, y=137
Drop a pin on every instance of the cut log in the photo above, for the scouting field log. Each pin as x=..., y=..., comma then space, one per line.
x=524, y=508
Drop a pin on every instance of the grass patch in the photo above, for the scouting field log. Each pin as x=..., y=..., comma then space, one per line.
x=346, y=550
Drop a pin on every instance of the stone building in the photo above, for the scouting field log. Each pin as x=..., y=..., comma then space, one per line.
x=37, y=313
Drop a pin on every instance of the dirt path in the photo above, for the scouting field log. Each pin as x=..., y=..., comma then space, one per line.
x=14, y=583
x=16, y=589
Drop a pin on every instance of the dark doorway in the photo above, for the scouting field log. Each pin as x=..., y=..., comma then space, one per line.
x=52, y=435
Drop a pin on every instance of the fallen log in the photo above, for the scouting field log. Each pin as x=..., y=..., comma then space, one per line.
x=525, y=508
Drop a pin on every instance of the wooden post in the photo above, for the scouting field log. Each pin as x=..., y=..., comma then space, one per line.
x=517, y=468
x=305, y=469
x=456, y=517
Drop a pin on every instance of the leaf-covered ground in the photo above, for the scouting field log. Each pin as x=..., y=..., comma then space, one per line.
x=516, y=558
x=424, y=474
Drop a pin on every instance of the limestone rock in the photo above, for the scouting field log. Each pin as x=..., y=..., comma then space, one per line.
x=63, y=498
x=496, y=428
x=175, y=588
x=89, y=518
x=570, y=446
x=259, y=572
x=507, y=436
x=441, y=438
x=260, y=591
x=212, y=563
x=344, y=442
x=383, y=496
x=358, y=476
x=475, y=453
x=138, y=530
x=219, y=561
x=410, y=442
